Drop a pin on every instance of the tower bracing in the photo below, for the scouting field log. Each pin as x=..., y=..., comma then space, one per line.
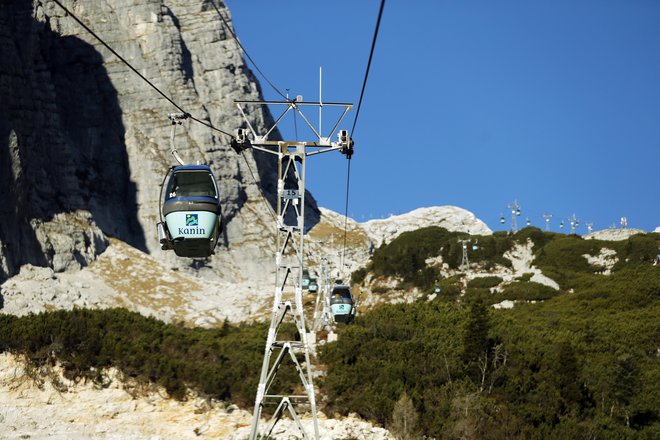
x=289, y=265
x=515, y=212
x=465, y=262
x=322, y=316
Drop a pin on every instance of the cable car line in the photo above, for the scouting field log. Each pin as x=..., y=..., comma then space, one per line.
x=366, y=75
x=270, y=208
x=357, y=113
x=246, y=53
x=348, y=182
x=123, y=60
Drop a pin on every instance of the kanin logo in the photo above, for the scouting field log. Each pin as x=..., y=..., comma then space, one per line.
x=192, y=219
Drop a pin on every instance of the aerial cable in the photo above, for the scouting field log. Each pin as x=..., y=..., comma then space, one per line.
x=286, y=97
x=357, y=113
x=185, y=113
x=270, y=208
x=348, y=181
x=366, y=75
x=246, y=53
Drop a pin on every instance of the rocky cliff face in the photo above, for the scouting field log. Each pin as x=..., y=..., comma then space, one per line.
x=84, y=142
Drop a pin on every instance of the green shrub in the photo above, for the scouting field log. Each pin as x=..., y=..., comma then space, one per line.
x=450, y=289
x=485, y=282
x=525, y=291
x=358, y=276
x=223, y=363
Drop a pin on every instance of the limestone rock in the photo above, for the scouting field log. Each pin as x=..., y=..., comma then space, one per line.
x=448, y=217
x=79, y=130
x=613, y=234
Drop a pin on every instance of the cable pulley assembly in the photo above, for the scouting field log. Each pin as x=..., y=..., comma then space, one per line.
x=346, y=143
x=240, y=142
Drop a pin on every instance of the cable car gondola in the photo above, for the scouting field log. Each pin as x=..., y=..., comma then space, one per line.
x=305, y=279
x=313, y=285
x=192, y=212
x=342, y=305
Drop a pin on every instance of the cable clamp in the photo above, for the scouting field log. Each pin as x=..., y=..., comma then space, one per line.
x=176, y=118
x=346, y=143
x=241, y=141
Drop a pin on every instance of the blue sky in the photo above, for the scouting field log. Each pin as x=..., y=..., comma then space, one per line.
x=555, y=104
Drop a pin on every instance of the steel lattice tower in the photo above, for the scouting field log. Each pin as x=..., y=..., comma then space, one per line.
x=322, y=315
x=574, y=222
x=515, y=212
x=289, y=263
x=547, y=218
x=465, y=263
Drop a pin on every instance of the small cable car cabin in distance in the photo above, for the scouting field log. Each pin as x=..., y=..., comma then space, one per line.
x=305, y=279
x=190, y=204
x=342, y=305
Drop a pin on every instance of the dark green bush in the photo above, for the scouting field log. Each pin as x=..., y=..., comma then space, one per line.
x=525, y=291
x=485, y=282
x=223, y=363
x=358, y=276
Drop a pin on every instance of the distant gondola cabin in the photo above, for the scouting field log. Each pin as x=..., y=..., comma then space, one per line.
x=342, y=305
x=305, y=279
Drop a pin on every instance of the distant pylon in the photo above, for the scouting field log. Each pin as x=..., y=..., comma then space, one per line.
x=574, y=223
x=547, y=218
x=515, y=212
x=465, y=263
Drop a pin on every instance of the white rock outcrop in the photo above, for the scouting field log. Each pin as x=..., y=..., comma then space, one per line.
x=452, y=218
x=522, y=258
x=613, y=234
x=604, y=261
x=40, y=410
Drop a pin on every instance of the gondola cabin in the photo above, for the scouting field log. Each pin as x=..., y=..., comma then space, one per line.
x=305, y=279
x=191, y=208
x=342, y=305
x=313, y=285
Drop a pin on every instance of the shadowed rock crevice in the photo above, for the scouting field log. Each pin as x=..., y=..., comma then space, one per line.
x=186, y=56
x=61, y=147
x=97, y=177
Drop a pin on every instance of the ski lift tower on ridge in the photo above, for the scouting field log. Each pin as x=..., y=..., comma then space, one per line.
x=547, y=218
x=465, y=262
x=574, y=222
x=289, y=257
x=590, y=227
x=515, y=212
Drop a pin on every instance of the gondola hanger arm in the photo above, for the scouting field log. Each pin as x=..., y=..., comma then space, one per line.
x=177, y=119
